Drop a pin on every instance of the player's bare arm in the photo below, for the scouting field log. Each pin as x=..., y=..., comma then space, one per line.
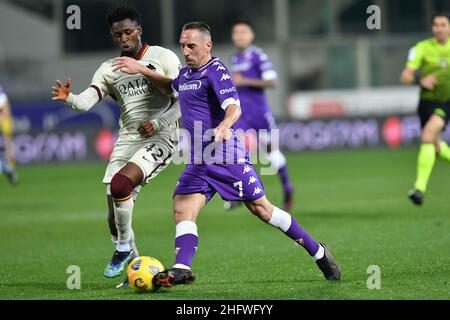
x=79, y=102
x=429, y=82
x=408, y=76
x=241, y=81
x=131, y=66
x=222, y=131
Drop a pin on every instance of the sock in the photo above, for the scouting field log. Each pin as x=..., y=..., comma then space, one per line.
x=123, y=247
x=123, y=203
x=287, y=186
x=425, y=163
x=287, y=223
x=186, y=243
x=320, y=253
x=123, y=215
x=444, y=153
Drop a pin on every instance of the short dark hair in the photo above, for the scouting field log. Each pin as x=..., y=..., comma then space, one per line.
x=200, y=26
x=246, y=22
x=440, y=14
x=120, y=12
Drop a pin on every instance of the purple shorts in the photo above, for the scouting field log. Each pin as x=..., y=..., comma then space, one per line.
x=234, y=182
x=256, y=121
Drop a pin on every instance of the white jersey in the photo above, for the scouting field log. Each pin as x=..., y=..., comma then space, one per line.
x=139, y=100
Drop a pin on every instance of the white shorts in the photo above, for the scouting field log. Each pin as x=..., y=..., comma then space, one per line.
x=151, y=157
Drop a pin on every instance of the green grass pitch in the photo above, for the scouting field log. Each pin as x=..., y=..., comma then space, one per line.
x=355, y=201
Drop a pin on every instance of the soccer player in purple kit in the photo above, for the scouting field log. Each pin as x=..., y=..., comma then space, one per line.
x=253, y=72
x=209, y=103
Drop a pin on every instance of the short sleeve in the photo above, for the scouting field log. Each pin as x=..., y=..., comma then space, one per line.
x=171, y=64
x=415, y=57
x=266, y=67
x=223, y=85
x=99, y=82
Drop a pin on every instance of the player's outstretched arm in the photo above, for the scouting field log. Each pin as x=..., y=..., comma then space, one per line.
x=131, y=66
x=81, y=102
x=222, y=131
x=409, y=76
x=61, y=91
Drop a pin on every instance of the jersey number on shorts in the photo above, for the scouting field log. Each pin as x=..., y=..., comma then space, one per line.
x=156, y=152
x=239, y=185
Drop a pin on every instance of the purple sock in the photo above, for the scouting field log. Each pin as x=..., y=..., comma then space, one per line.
x=299, y=235
x=287, y=186
x=185, y=247
x=287, y=223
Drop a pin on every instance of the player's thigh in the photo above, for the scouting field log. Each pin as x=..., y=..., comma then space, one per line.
x=235, y=182
x=432, y=129
x=119, y=158
x=188, y=206
x=133, y=172
x=193, y=180
x=151, y=160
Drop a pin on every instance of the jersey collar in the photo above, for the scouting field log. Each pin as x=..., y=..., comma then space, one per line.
x=213, y=59
x=142, y=52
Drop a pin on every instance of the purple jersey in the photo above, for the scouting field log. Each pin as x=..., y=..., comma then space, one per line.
x=204, y=94
x=255, y=64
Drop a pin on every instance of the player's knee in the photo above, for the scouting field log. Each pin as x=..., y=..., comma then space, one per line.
x=181, y=213
x=121, y=186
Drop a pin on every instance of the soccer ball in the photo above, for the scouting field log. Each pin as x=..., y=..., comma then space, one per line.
x=141, y=271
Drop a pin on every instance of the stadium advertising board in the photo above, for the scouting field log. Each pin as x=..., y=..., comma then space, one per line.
x=353, y=103
x=48, y=132
x=344, y=133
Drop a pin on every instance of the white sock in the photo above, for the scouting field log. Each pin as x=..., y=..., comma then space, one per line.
x=181, y=266
x=280, y=219
x=123, y=247
x=123, y=215
x=320, y=253
x=133, y=244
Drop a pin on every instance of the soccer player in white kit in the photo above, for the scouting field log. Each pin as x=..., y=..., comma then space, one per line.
x=148, y=134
